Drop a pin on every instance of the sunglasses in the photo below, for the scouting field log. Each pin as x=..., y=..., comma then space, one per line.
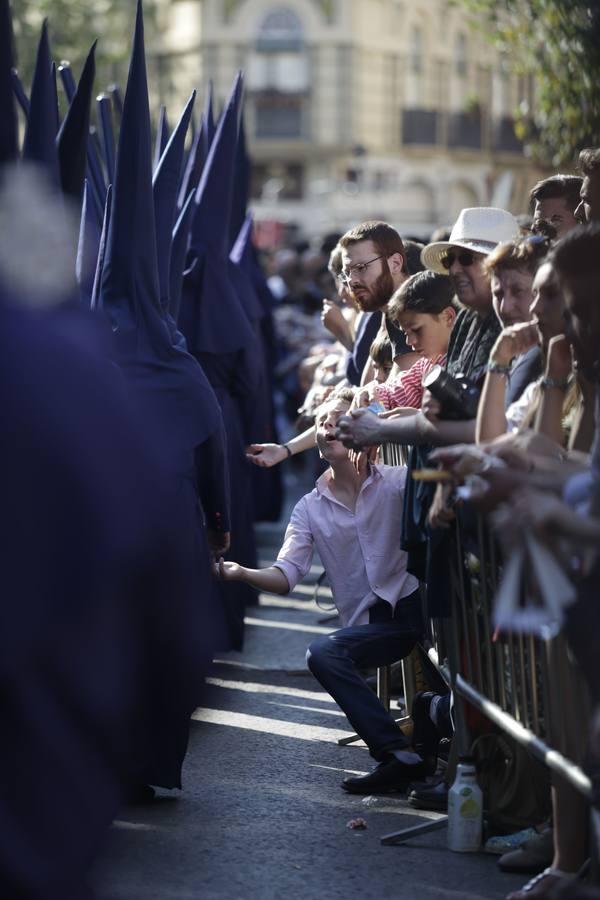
x=464, y=257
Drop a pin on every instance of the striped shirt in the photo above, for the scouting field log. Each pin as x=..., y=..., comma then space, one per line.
x=406, y=389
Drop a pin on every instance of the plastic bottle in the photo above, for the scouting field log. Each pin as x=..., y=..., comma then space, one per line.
x=465, y=809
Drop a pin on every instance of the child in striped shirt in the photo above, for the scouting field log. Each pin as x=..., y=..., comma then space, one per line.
x=425, y=309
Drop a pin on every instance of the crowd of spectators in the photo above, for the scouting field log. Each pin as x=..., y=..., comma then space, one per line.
x=479, y=353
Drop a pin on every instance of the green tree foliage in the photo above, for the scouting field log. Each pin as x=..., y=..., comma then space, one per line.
x=558, y=43
x=73, y=26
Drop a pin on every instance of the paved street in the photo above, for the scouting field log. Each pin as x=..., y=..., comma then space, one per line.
x=262, y=815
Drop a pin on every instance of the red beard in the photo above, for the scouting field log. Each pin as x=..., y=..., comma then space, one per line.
x=376, y=296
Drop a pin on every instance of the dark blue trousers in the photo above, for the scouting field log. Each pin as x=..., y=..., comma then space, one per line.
x=335, y=661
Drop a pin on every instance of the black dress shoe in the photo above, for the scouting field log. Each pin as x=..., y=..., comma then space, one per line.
x=429, y=796
x=391, y=775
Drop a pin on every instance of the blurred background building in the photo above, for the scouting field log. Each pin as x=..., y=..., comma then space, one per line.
x=357, y=108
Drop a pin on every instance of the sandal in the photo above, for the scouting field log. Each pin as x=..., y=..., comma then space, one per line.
x=505, y=843
x=529, y=890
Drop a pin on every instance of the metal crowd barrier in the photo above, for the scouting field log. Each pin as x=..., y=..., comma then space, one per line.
x=507, y=677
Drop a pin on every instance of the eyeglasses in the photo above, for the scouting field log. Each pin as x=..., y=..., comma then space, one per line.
x=465, y=258
x=359, y=268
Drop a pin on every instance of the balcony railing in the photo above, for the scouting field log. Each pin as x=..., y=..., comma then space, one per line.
x=471, y=130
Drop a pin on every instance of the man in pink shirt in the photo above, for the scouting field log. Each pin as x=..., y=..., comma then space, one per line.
x=353, y=519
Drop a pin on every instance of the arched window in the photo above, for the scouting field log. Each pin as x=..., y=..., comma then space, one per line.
x=279, y=62
x=281, y=29
x=461, y=61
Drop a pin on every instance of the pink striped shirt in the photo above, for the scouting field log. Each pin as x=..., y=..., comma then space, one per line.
x=406, y=389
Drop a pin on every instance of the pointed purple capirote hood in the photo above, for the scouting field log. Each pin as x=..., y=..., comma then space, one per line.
x=162, y=137
x=167, y=382
x=212, y=317
x=72, y=140
x=201, y=141
x=104, y=110
x=40, y=135
x=212, y=219
x=241, y=185
x=165, y=187
x=87, y=248
x=9, y=133
x=129, y=289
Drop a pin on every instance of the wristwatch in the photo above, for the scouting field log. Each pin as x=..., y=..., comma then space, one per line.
x=498, y=368
x=559, y=383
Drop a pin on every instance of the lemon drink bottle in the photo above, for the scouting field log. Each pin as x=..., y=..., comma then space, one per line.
x=465, y=809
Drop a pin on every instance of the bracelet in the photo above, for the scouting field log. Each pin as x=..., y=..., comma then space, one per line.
x=498, y=368
x=561, y=384
x=289, y=452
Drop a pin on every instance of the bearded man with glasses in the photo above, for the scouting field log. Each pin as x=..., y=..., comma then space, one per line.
x=374, y=267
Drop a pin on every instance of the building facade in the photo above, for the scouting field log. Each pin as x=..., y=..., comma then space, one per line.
x=358, y=108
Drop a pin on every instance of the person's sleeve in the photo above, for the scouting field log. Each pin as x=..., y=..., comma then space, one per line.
x=518, y=411
x=383, y=393
x=406, y=389
x=212, y=472
x=295, y=557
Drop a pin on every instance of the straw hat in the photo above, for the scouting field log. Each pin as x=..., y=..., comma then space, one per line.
x=479, y=229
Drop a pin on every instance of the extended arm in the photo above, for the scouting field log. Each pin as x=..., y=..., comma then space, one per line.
x=293, y=561
x=363, y=429
x=267, y=455
x=550, y=517
x=272, y=580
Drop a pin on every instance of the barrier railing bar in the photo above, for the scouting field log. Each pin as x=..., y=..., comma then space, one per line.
x=476, y=603
x=546, y=689
x=513, y=679
x=487, y=628
x=535, y=662
x=461, y=595
x=523, y=683
x=552, y=758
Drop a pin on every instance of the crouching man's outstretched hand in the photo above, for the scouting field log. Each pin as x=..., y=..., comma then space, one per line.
x=228, y=571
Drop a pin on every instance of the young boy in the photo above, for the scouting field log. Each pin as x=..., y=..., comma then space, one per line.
x=353, y=519
x=424, y=309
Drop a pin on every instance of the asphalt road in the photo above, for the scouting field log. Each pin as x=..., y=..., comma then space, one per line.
x=262, y=815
